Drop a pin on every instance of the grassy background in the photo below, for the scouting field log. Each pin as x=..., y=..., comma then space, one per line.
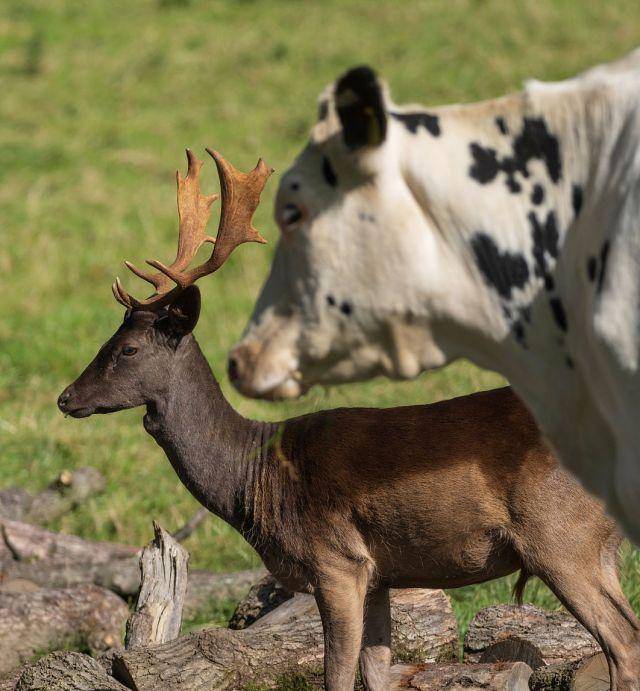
x=99, y=100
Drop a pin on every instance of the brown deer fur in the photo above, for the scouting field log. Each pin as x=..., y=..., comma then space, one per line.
x=348, y=503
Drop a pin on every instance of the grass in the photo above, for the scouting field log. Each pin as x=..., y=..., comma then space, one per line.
x=99, y=101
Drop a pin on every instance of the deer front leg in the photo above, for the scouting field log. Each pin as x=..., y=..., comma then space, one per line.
x=375, y=656
x=340, y=596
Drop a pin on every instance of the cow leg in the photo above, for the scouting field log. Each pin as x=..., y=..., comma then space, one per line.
x=375, y=655
x=595, y=599
x=340, y=595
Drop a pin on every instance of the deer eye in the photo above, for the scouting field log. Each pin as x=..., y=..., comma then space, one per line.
x=129, y=350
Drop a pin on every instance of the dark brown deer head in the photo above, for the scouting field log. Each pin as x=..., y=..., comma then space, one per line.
x=132, y=368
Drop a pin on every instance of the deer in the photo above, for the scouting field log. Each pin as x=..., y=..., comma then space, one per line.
x=348, y=503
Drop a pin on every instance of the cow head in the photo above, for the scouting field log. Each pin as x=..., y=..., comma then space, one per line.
x=351, y=289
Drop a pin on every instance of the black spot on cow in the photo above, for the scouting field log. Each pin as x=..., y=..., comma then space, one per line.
x=331, y=301
x=346, y=308
x=559, y=314
x=537, y=195
x=329, y=173
x=545, y=242
x=549, y=283
x=576, y=199
x=592, y=268
x=502, y=125
x=412, y=121
x=504, y=271
x=604, y=255
x=534, y=141
x=323, y=110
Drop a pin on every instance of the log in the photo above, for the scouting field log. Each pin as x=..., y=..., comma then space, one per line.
x=66, y=492
x=158, y=614
x=263, y=597
x=500, y=676
x=557, y=635
x=589, y=674
x=35, y=622
x=60, y=561
x=67, y=671
x=31, y=542
x=288, y=639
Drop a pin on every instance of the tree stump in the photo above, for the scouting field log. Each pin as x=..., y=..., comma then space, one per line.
x=50, y=618
x=557, y=635
x=158, y=615
x=500, y=676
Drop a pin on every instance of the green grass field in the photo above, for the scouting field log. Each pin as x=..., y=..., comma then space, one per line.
x=99, y=100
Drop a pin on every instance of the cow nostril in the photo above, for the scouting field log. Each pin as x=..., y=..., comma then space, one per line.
x=232, y=369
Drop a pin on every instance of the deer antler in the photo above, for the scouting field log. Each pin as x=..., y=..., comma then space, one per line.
x=240, y=198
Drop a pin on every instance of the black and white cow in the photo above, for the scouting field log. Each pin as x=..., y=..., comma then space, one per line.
x=506, y=231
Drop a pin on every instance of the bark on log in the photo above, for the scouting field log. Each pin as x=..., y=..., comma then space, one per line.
x=158, y=615
x=66, y=492
x=500, y=676
x=67, y=671
x=288, y=639
x=263, y=597
x=558, y=636
x=48, y=619
x=589, y=674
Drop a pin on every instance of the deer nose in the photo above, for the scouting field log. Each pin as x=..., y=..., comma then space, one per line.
x=233, y=369
x=63, y=400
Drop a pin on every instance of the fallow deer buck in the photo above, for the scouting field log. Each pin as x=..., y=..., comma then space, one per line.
x=348, y=503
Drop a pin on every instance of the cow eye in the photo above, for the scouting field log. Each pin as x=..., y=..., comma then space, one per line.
x=291, y=214
x=129, y=350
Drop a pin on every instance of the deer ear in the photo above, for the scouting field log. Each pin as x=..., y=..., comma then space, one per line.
x=184, y=311
x=360, y=105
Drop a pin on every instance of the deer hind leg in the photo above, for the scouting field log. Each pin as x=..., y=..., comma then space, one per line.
x=375, y=655
x=340, y=595
x=594, y=597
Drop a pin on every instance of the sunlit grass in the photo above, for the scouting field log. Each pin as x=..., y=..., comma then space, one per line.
x=99, y=101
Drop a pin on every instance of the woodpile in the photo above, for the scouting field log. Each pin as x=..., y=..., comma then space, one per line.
x=65, y=594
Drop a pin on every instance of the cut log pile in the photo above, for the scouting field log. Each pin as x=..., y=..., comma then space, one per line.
x=65, y=594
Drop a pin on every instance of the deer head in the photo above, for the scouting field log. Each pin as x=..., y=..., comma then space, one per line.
x=133, y=367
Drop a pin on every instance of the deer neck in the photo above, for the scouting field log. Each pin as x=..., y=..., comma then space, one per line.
x=214, y=450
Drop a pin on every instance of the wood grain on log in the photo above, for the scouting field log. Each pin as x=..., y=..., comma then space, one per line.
x=558, y=636
x=158, y=614
x=514, y=650
x=50, y=618
x=66, y=492
x=67, y=671
x=287, y=639
x=500, y=676
x=589, y=674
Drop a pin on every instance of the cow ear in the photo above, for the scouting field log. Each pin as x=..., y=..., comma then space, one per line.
x=360, y=105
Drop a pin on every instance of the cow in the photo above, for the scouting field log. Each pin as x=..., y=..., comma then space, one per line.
x=506, y=231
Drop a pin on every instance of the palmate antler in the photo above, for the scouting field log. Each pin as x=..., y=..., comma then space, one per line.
x=240, y=198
